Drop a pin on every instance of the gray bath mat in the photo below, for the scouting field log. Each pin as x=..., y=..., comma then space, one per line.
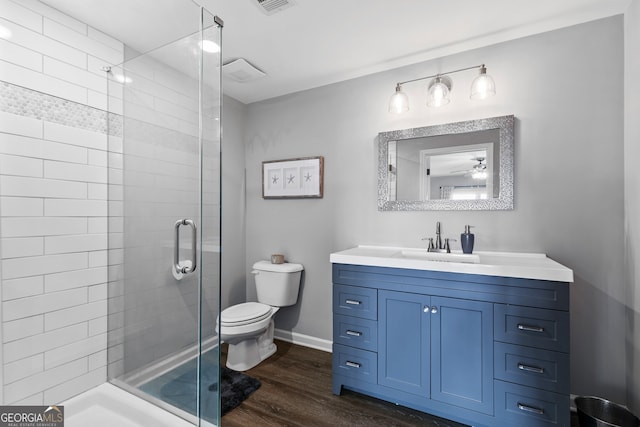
x=236, y=387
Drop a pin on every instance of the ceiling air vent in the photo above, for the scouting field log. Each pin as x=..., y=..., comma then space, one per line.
x=241, y=71
x=269, y=7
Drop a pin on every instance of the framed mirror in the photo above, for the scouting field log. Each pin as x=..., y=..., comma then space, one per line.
x=455, y=166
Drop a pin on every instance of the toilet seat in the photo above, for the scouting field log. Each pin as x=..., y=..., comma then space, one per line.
x=245, y=313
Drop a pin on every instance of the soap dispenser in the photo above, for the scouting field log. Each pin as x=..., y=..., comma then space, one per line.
x=467, y=239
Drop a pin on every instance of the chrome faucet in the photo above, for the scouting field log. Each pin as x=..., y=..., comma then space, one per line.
x=438, y=239
x=438, y=246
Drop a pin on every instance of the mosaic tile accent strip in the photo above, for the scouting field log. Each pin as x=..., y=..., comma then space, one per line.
x=30, y=103
x=115, y=124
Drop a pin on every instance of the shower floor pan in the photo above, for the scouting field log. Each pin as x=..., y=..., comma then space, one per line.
x=108, y=406
x=178, y=386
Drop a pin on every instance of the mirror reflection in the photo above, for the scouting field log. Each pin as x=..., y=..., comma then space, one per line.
x=451, y=167
x=465, y=166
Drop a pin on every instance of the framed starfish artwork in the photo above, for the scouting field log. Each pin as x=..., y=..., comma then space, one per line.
x=293, y=178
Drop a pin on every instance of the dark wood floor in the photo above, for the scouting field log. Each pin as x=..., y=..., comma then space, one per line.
x=296, y=391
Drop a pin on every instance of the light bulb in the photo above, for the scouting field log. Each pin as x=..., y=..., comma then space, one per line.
x=438, y=94
x=483, y=85
x=399, y=102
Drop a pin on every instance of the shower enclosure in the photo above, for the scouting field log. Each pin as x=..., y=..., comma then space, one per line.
x=164, y=223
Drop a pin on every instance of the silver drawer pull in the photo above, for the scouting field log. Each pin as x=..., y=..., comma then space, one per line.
x=529, y=368
x=353, y=333
x=530, y=328
x=353, y=302
x=531, y=409
x=352, y=364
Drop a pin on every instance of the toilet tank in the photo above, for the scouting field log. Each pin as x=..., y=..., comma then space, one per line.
x=277, y=284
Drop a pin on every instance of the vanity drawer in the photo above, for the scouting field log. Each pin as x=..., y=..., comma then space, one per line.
x=526, y=406
x=355, y=332
x=534, y=327
x=355, y=301
x=544, y=369
x=355, y=363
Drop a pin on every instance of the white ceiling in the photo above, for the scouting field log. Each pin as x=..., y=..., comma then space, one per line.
x=318, y=42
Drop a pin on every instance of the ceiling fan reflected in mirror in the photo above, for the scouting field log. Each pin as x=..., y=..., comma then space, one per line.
x=479, y=171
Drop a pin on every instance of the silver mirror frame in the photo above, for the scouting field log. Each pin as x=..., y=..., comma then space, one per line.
x=504, y=201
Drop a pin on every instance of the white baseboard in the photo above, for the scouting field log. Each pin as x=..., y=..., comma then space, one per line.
x=303, y=340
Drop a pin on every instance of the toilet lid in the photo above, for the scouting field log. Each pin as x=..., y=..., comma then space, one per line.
x=245, y=313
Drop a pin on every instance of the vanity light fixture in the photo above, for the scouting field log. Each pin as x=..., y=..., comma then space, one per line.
x=438, y=93
x=399, y=102
x=483, y=85
x=439, y=88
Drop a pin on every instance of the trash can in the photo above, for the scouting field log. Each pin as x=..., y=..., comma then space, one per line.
x=598, y=412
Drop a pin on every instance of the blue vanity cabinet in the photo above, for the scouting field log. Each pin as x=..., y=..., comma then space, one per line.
x=435, y=347
x=355, y=336
x=481, y=350
x=462, y=353
x=531, y=365
x=404, y=329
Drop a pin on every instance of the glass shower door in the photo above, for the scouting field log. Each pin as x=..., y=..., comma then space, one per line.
x=209, y=406
x=164, y=224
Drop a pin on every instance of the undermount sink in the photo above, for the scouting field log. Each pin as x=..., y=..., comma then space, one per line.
x=425, y=255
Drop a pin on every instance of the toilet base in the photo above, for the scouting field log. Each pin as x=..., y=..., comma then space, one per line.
x=246, y=354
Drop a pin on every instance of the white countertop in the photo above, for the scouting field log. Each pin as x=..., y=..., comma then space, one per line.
x=505, y=264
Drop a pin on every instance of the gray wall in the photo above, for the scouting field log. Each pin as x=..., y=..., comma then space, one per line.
x=233, y=203
x=569, y=179
x=632, y=200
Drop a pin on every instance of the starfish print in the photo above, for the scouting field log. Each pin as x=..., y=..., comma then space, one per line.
x=307, y=177
x=290, y=179
x=274, y=180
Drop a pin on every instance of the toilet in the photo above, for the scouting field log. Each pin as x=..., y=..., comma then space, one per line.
x=248, y=327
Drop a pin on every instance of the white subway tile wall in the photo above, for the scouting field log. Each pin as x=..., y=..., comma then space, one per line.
x=53, y=202
x=63, y=194
x=160, y=186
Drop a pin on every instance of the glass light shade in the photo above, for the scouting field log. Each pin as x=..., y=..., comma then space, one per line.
x=438, y=94
x=483, y=85
x=399, y=102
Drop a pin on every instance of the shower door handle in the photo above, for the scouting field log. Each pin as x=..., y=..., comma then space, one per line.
x=185, y=269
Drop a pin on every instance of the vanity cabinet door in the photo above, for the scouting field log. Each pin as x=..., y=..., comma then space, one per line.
x=403, y=341
x=462, y=353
